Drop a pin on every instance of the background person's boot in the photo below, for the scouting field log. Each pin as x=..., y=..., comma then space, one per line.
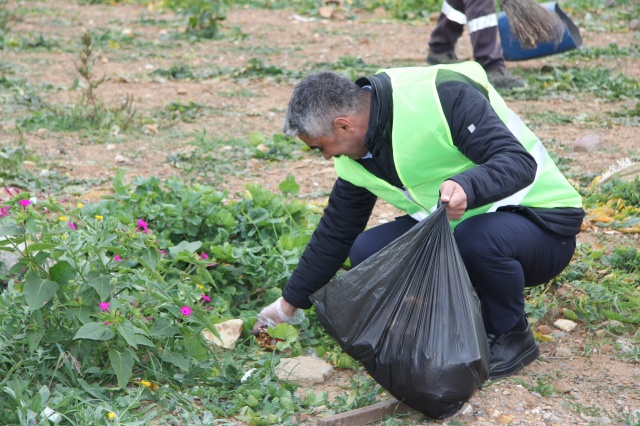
x=442, y=58
x=503, y=79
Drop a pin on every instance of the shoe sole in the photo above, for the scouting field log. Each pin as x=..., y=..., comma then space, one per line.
x=506, y=370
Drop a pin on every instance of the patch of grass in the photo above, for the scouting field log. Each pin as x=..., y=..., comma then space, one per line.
x=611, y=51
x=599, y=82
x=175, y=72
x=542, y=384
x=176, y=111
x=547, y=117
x=211, y=160
x=90, y=113
x=240, y=93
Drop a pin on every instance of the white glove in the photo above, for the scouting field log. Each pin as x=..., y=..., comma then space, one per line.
x=274, y=314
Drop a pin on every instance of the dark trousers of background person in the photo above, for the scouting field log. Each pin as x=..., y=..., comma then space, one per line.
x=482, y=24
x=503, y=253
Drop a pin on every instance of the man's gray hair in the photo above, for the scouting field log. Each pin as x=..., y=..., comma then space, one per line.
x=318, y=100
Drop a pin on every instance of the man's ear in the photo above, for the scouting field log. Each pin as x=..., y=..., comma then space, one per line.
x=342, y=124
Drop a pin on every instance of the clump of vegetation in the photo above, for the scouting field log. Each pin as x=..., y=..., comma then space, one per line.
x=90, y=113
x=203, y=16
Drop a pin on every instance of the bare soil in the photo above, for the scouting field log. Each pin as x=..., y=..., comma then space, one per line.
x=589, y=384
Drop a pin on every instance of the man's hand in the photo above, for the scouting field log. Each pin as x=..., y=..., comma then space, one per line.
x=455, y=197
x=278, y=312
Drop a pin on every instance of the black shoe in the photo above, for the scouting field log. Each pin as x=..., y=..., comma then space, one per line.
x=442, y=58
x=511, y=352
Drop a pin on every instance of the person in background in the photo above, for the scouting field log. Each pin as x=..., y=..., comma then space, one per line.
x=413, y=137
x=482, y=25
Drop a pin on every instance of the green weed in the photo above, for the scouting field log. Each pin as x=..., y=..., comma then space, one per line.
x=203, y=16
x=90, y=113
x=541, y=384
x=176, y=72
x=600, y=82
x=609, y=52
x=176, y=111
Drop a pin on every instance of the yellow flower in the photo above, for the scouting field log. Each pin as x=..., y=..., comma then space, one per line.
x=200, y=286
x=63, y=218
x=64, y=236
x=111, y=415
x=98, y=217
x=145, y=383
x=80, y=205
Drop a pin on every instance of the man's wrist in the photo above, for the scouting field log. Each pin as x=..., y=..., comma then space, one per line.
x=287, y=308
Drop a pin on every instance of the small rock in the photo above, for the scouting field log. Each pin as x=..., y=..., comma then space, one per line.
x=561, y=386
x=544, y=329
x=303, y=370
x=505, y=419
x=565, y=324
x=563, y=351
x=466, y=409
x=564, y=290
x=229, y=331
x=588, y=143
x=605, y=349
x=634, y=25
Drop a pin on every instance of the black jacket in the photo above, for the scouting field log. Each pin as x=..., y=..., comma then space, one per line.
x=504, y=167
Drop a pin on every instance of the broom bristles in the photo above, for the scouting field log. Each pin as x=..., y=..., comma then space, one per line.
x=531, y=23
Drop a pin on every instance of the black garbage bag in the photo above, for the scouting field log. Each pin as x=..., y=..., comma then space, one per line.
x=410, y=315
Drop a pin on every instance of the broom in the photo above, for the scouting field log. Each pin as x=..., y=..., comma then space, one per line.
x=531, y=23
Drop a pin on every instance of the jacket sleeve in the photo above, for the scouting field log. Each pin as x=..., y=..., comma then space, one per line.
x=344, y=218
x=503, y=165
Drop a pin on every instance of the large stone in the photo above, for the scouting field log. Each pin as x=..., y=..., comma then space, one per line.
x=303, y=370
x=229, y=332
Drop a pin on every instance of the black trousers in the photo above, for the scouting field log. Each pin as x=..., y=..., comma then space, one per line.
x=503, y=253
x=481, y=24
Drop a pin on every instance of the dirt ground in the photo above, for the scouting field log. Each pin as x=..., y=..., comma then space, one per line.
x=588, y=383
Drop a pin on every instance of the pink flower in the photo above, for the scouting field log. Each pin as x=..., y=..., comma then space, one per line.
x=142, y=225
x=4, y=211
x=163, y=253
x=25, y=203
x=72, y=226
x=116, y=258
x=205, y=298
x=204, y=255
x=104, y=305
x=106, y=323
x=186, y=311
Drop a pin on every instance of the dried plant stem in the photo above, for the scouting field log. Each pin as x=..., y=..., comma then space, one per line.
x=531, y=23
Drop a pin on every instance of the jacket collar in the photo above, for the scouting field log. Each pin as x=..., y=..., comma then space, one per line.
x=378, y=137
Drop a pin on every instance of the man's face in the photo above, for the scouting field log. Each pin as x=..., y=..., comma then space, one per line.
x=347, y=140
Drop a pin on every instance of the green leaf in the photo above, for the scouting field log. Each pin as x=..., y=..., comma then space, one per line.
x=258, y=215
x=148, y=258
x=101, y=283
x=289, y=186
x=95, y=331
x=176, y=359
x=128, y=333
x=38, y=291
x=162, y=328
x=190, y=247
x=62, y=272
x=122, y=364
x=36, y=247
x=10, y=229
